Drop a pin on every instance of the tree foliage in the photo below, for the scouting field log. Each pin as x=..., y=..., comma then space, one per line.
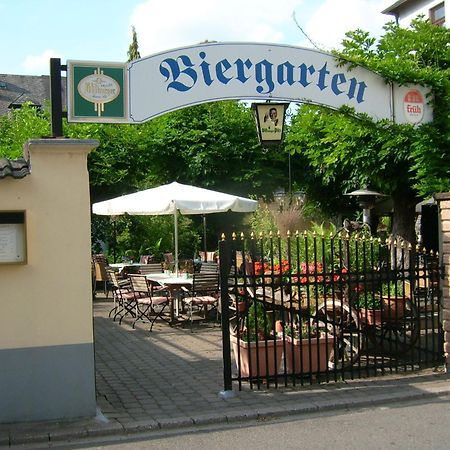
x=18, y=126
x=215, y=146
x=133, y=50
x=341, y=151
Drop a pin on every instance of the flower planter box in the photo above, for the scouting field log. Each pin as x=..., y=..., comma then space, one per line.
x=251, y=358
x=393, y=308
x=370, y=316
x=308, y=356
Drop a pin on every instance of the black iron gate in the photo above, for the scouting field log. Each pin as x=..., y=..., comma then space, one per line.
x=304, y=309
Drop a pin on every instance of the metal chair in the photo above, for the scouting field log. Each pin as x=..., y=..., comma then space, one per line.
x=203, y=293
x=147, y=304
x=123, y=297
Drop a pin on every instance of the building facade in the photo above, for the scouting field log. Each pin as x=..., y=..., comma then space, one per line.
x=15, y=90
x=406, y=10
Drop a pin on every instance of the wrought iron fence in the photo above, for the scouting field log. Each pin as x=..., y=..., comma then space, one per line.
x=306, y=308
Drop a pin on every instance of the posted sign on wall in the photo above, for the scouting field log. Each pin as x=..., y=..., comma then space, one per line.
x=152, y=86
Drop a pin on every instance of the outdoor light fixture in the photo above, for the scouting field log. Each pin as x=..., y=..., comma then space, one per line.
x=269, y=119
x=299, y=197
x=366, y=200
x=279, y=196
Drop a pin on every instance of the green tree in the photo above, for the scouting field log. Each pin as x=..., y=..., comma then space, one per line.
x=133, y=50
x=214, y=145
x=341, y=151
x=18, y=126
x=121, y=162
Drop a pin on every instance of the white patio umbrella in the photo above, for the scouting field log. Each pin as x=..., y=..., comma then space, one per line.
x=171, y=199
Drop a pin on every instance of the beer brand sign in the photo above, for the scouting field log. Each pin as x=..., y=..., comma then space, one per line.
x=97, y=92
x=414, y=106
x=152, y=86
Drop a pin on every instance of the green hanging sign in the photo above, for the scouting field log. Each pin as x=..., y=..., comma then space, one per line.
x=97, y=92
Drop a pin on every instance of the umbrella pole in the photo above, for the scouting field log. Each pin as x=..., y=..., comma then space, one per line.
x=204, y=237
x=175, y=217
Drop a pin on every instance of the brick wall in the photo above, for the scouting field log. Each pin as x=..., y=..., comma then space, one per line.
x=443, y=200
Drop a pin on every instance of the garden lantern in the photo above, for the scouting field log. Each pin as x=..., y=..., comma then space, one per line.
x=269, y=119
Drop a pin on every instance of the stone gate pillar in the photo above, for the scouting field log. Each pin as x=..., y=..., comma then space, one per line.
x=444, y=250
x=46, y=322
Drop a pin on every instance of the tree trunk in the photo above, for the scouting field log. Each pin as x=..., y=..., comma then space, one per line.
x=403, y=220
x=403, y=225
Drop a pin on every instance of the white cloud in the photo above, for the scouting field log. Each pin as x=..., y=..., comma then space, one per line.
x=178, y=23
x=166, y=25
x=332, y=19
x=33, y=64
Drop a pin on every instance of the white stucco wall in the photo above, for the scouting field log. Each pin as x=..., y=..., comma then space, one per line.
x=46, y=338
x=412, y=9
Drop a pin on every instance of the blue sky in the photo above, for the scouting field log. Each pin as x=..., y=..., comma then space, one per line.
x=33, y=31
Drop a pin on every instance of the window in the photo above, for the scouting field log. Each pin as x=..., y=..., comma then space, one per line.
x=437, y=14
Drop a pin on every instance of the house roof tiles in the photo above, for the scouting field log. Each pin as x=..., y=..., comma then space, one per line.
x=18, y=168
x=15, y=90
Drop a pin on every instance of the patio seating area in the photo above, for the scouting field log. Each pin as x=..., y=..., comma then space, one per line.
x=152, y=295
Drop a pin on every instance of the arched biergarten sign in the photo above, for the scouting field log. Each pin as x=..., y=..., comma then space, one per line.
x=149, y=87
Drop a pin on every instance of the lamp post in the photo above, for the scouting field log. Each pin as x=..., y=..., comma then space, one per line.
x=114, y=227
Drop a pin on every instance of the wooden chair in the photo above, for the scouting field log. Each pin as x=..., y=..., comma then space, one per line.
x=147, y=305
x=151, y=268
x=100, y=267
x=123, y=297
x=209, y=267
x=203, y=293
x=208, y=256
x=187, y=265
x=169, y=261
x=145, y=259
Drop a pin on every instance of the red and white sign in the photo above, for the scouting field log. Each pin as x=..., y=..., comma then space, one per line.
x=414, y=105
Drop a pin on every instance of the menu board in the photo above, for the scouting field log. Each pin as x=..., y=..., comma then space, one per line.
x=12, y=242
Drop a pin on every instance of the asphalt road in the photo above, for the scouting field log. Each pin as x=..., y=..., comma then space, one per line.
x=413, y=425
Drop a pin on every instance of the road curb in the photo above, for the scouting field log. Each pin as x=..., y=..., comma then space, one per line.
x=331, y=399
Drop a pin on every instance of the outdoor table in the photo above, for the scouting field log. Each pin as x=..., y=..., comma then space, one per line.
x=122, y=266
x=174, y=284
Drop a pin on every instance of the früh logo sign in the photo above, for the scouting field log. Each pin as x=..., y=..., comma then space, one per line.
x=414, y=106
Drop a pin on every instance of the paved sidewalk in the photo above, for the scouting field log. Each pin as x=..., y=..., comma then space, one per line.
x=171, y=378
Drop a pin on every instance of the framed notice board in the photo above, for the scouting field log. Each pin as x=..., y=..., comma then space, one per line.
x=13, y=247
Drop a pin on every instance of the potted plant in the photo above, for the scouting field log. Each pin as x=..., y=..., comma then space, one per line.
x=239, y=300
x=369, y=306
x=256, y=349
x=393, y=301
x=308, y=350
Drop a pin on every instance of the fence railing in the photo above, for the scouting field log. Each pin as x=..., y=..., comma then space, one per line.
x=306, y=308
